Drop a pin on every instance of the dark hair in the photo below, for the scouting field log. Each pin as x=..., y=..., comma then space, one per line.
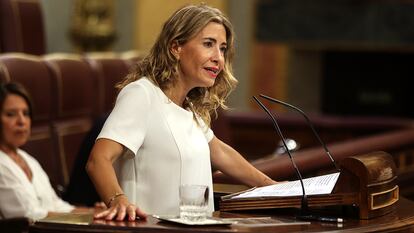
x=16, y=89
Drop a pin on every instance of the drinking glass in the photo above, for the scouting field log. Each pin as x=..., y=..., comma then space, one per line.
x=193, y=202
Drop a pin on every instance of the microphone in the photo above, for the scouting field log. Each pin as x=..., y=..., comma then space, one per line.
x=304, y=201
x=309, y=123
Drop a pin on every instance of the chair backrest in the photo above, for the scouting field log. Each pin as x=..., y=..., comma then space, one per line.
x=69, y=92
x=21, y=27
x=75, y=91
x=34, y=75
x=74, y=85
x=109, y=70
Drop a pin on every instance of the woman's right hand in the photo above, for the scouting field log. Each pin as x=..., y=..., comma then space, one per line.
x=119, y=209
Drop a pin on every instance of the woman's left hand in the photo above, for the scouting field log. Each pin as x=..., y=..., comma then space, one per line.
x=120, y=209
x=100, y=205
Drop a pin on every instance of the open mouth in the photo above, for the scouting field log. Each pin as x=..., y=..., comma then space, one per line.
x=213, y=71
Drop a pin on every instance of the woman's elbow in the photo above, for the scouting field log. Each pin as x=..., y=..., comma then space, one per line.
x=89, y=166
x=92, y=163
x=103, y=153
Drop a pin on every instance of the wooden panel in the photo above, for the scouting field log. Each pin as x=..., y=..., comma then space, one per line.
x=269, y=72
x=402, y=220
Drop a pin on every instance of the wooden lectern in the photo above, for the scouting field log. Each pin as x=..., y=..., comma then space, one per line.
x=367, y=182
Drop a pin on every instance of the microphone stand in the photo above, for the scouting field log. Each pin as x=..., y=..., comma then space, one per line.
x=304, y=212
x=309, y=123
x=304, y=201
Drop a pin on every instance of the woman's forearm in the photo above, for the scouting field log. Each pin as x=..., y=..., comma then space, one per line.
x=103, y=177
x=101, y=171
x=230, y=162
x=242, y=170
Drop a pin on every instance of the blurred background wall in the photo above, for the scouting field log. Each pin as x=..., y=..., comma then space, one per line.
x=138, y=23
x=339, y=57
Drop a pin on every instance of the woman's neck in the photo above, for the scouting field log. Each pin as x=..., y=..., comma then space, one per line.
x=18, y=159
x=177, y=94
x=10, y=150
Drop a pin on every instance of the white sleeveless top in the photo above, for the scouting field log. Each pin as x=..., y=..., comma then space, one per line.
x=167, y=148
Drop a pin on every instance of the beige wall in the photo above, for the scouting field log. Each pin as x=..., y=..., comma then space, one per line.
x=57, y=16
x=151, y=14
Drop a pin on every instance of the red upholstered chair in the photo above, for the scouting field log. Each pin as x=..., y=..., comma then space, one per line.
x=4, y=77
x=21, y=27
x=109, y=70
x=32, y=72
x=75, y=90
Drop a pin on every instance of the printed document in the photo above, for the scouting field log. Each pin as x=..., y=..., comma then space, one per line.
x=313, y=186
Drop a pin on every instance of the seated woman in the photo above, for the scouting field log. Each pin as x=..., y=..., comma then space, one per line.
x=25, y=189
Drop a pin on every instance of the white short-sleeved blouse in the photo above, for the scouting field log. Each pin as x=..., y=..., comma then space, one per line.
x=20, y=197
x=167, y=148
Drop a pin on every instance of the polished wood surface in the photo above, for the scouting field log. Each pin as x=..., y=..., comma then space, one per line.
x=401, y=220
x=367, y=182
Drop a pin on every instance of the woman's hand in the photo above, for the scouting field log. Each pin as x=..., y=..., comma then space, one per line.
x=268, y=181
x=103, y=154
x=99, y=205
x=119, y=209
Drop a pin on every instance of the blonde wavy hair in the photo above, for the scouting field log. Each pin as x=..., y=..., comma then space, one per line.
x=161, y=66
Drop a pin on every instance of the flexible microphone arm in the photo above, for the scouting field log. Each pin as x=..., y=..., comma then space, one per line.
x=304, y=203
x=309, y=123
